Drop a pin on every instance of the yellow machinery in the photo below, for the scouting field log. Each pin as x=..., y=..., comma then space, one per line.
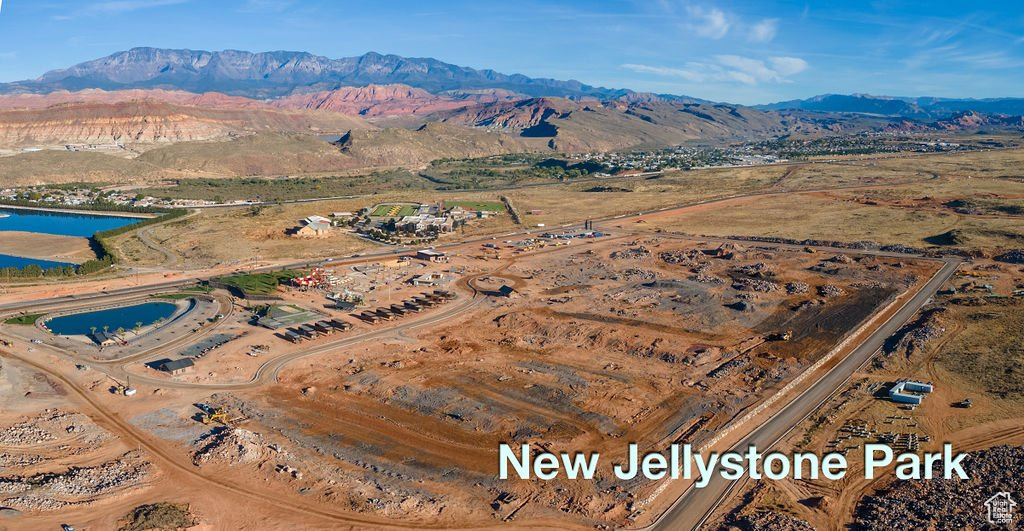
x=785, y=336
x=216, y=415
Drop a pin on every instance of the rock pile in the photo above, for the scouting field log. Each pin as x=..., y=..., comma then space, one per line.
x=634, y=253
x=797, y=288
x=757, y=270
x=752, y=284
x=1015, y=256
x=946, y=503
x=54, y=490
x=831, y=290
x=684, y=257
x=233, y=446
x=771, y=520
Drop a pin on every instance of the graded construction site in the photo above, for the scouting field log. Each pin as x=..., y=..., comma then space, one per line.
x=375, y=392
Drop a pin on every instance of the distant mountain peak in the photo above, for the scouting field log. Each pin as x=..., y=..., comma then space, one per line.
x=280, y=73
x=921, y=108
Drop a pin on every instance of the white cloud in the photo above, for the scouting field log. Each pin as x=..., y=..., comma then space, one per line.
x=123, y=6
x=730, y=68
x=788, y=66
x=689, y=75
x=712, y=23
x=763, y=31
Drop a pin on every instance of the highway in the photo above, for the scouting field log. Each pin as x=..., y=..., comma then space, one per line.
x=695, y=506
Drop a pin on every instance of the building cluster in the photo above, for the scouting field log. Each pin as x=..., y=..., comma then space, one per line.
x=80, y=196
x=414, y=223
x=679, y=157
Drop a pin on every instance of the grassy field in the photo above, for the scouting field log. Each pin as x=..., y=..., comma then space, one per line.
x=482, y=206
x=393, y=211
x=24, y=319
x=260, y=283
x=225, y=236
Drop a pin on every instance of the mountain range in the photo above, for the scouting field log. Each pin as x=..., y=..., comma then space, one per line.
x=281, y=73
x=921, y=108
x=182, y=112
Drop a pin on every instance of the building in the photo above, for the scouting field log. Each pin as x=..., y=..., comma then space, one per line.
x=429, y=279
x=909, y=392
x=315, y=219
x=431, y=255
x=507, y=291
x=313, y=230
x=177, y=366
x=104, y=339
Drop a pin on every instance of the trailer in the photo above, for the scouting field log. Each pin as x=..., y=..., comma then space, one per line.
x=370, y=317
x=341, y=325
x=309, y=331
x=323, y=327
x=413, y=307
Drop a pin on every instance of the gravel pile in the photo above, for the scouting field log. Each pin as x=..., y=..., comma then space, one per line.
x=687, y=257
x=758, y=270
x=708, y=278
x=752, y=284
x=797, y=288
x=634, y=253
x=831, y=290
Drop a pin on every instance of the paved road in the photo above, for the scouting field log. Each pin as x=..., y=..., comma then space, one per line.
x=695, y=505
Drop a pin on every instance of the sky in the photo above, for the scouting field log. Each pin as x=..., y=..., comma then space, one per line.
x=737, y=51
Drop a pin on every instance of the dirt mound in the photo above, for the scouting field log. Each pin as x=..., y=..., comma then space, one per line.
x=233, y=446
x=1012, y=257
x=163, y=516
x=950, y=237
x=771, y=520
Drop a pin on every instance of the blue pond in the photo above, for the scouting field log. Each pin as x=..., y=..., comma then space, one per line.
x=64, y=224
x=126, y=317
x=19, y=262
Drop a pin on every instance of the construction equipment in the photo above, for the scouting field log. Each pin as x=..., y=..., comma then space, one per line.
x=124, y=390
x=218, y=414
x=784, y=336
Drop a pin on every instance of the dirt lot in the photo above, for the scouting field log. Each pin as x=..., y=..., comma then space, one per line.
x=608, y=341
x=46, y=247
x=967, y=342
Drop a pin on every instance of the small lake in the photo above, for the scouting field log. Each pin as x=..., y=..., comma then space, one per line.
x=19, y=262
x=114, y=318
x=61, y=223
